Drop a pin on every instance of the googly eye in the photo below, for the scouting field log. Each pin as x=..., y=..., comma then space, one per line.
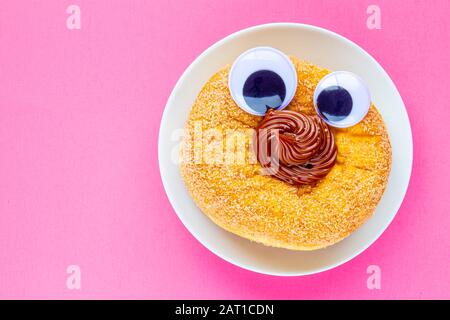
x=262, y=78
x=342, y=99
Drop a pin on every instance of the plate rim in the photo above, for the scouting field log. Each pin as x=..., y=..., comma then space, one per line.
x=174, y=92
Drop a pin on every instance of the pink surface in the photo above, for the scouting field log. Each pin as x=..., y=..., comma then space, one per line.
x=79, y=120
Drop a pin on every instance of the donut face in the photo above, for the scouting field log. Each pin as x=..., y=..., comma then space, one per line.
x=224, y=177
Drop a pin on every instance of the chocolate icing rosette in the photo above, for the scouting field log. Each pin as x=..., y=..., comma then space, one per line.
x=294, y=147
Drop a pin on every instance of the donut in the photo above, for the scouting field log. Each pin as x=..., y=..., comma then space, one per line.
x=227, y=180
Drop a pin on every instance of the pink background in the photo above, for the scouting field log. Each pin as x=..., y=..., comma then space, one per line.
x=79, y=178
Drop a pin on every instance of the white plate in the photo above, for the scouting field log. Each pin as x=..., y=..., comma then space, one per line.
x=323, y=48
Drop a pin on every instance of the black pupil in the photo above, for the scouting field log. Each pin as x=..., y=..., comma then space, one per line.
x=335, y=103
x=264, y=89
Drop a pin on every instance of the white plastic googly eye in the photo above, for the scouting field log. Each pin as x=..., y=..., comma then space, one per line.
x=262, y=78
x=342, y=99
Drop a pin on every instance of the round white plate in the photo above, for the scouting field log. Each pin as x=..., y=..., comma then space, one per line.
x=326, y=49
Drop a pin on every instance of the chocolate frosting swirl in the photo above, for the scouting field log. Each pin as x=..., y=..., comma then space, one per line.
x=303, y=146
